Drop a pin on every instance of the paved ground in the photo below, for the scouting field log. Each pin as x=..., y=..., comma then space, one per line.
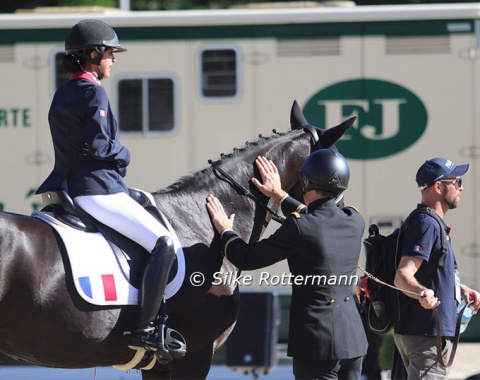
x=467, y=363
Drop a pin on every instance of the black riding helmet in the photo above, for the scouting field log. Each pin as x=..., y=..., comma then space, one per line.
x=91, y=34
x=327, y=171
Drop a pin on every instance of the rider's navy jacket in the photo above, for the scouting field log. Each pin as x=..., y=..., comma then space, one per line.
x=89, y=158
x=423, y=240
x=322, y=247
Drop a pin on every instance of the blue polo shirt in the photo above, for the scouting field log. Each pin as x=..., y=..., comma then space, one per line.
x=422, y=239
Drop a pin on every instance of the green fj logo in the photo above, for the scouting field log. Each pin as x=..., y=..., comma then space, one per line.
x=390, y=118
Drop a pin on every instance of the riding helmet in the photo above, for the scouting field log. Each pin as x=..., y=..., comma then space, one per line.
x=327, y=171
x=91, y=34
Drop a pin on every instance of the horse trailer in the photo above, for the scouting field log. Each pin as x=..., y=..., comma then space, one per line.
x=195, y=84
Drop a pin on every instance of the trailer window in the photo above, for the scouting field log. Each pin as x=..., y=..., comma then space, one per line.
x=146, y=104
x=219, y=72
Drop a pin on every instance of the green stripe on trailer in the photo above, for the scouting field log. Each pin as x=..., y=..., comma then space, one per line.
x=218, y=32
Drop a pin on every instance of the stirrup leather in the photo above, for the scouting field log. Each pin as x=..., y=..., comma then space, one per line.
x=146, y=338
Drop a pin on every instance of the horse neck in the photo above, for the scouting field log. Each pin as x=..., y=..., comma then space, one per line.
x=185, y=200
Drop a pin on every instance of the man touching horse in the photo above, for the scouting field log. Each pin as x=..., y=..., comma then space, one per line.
x=319, y=240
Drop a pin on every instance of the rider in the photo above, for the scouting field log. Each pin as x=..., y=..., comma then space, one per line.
x=90, y=162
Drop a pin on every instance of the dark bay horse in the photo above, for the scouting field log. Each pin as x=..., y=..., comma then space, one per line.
x=43, y=321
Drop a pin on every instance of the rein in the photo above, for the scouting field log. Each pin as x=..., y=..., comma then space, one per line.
x=224, y=176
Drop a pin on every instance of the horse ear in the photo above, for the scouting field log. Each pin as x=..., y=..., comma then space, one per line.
x=330, y=136
x=297, y=120
x=327, y=137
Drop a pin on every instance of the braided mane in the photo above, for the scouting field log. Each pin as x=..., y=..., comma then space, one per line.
x=250, y=146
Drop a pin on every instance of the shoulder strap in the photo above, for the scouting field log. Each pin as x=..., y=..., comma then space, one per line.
x=443, y=235
x=430, y=212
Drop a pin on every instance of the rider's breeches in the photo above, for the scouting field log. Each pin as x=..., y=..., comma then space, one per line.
x=123, y=214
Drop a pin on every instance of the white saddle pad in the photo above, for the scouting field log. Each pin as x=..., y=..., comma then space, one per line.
x=97, y=274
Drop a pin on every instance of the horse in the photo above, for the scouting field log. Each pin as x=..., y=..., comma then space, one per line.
x=44, y=322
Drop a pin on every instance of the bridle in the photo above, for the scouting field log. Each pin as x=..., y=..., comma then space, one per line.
x=312, y=131
x=243, y=191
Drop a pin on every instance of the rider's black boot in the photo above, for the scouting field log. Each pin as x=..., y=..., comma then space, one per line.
x=155, y=278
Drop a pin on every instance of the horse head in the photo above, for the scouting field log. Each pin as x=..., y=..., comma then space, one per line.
x=320, y=138
x=229, y=177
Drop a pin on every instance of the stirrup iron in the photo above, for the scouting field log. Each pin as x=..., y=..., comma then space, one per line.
x=170, y=347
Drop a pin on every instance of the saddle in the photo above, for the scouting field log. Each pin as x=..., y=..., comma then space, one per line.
x=130, y=255
x=62, y=205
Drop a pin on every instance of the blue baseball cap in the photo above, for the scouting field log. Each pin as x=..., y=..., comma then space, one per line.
x=437, y=169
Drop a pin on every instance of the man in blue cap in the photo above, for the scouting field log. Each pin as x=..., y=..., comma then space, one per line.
x=440, y=182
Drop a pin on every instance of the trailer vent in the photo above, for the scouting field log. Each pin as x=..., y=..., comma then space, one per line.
x=308, y=47
x=7, y=54
x=417, y=45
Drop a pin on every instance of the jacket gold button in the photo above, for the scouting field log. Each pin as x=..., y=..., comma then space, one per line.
x=332, y=301
x=347, y=299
